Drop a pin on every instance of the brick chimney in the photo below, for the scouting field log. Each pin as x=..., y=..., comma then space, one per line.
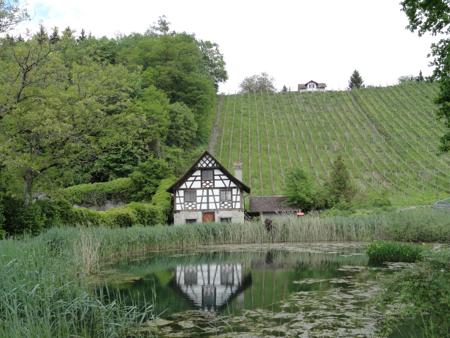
x=238, y=170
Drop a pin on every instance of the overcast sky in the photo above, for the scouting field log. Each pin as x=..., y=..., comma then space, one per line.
x=293, y=40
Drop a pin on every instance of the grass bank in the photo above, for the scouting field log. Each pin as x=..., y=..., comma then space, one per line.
x=44, y=292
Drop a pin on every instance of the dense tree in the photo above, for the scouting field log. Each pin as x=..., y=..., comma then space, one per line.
x=258, y=83
x=57, y=108
x=147, y=176
x=174, y=64
x=284, y=89
x=182, y=127
x=355, y=81
x=434, y=16
x=213, y=61
x=300, y=189
x=10, y=14
x=76, y=109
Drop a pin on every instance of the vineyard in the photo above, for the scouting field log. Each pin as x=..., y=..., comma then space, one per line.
x=387, y=136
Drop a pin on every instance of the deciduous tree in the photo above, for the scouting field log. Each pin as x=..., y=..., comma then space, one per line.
x=258, y=83
x=433, y=16
x=10, y=14
x=300, y=189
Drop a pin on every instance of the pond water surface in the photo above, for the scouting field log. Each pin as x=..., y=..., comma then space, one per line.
x=295, y=290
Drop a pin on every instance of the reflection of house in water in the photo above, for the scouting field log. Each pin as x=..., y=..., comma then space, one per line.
x=212, y=286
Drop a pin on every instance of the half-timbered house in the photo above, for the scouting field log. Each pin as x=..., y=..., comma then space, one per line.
x=208, y=192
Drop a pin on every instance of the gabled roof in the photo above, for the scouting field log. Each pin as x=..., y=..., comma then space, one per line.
x=270, y=204
x=201, y=163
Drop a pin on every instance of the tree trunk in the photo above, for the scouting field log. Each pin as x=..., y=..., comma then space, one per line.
x=28, y=178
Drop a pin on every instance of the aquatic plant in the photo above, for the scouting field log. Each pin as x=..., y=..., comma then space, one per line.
x=386, y=251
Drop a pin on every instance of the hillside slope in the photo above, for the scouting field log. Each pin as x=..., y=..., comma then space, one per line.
x=388, y=137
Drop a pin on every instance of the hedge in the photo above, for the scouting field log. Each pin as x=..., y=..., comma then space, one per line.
x=146, y=214
x=96, y=194
x=162, y=199
x=128, y=215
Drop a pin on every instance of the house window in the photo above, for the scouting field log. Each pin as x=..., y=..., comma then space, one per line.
x=190, y=220
x=190, y=195
x=207, y=175
x=225, y=219
x=225, y=195
x=311, y=85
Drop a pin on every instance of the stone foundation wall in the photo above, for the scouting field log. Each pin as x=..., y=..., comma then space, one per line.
x=180, y=217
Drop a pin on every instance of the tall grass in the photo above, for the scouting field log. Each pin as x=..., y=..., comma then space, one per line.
x=44, y=293
x=95, y=245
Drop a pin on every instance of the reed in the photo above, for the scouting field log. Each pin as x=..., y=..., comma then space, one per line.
x=42, y=294
x=44, y=290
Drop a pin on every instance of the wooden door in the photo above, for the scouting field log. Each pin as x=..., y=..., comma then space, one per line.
x=208, y=217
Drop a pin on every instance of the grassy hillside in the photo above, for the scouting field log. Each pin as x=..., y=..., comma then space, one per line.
x=388, y=137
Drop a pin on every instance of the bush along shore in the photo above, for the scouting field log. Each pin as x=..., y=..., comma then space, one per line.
x=44, y=288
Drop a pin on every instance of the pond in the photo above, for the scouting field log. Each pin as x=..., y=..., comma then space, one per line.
x=310, y=290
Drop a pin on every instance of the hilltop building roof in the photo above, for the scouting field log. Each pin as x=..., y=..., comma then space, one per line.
x=318, y=85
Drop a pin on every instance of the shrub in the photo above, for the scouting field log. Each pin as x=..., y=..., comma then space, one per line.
x=384, y=251
x=119, y=217
x=163, y=200
x=147, y=177
x=131, y=214
x=19, y=218
x=300, y=190
x=96, y=194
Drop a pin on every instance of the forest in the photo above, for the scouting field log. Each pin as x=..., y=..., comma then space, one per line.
x=76, y=109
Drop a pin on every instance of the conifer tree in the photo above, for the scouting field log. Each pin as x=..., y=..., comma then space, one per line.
x=356, y=80
x=284, y=90
x=420, y=78
x=340, y=189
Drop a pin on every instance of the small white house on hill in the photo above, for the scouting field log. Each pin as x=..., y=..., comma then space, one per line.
x=208, y=192
x=311, y=86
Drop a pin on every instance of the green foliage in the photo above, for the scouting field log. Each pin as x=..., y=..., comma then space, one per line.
x=423, y=292
x=20, y=218
x=147, y=177
x=134, y=213
x=96, y=194
x=182, y=128
x=384, y=251
x=355, y=81
x=213, y=60
x=163, y=200
x=385, y=136
x=176, y=65
x=300, y=189
x=78, y=110
x=433, y=16
x=339, y=187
